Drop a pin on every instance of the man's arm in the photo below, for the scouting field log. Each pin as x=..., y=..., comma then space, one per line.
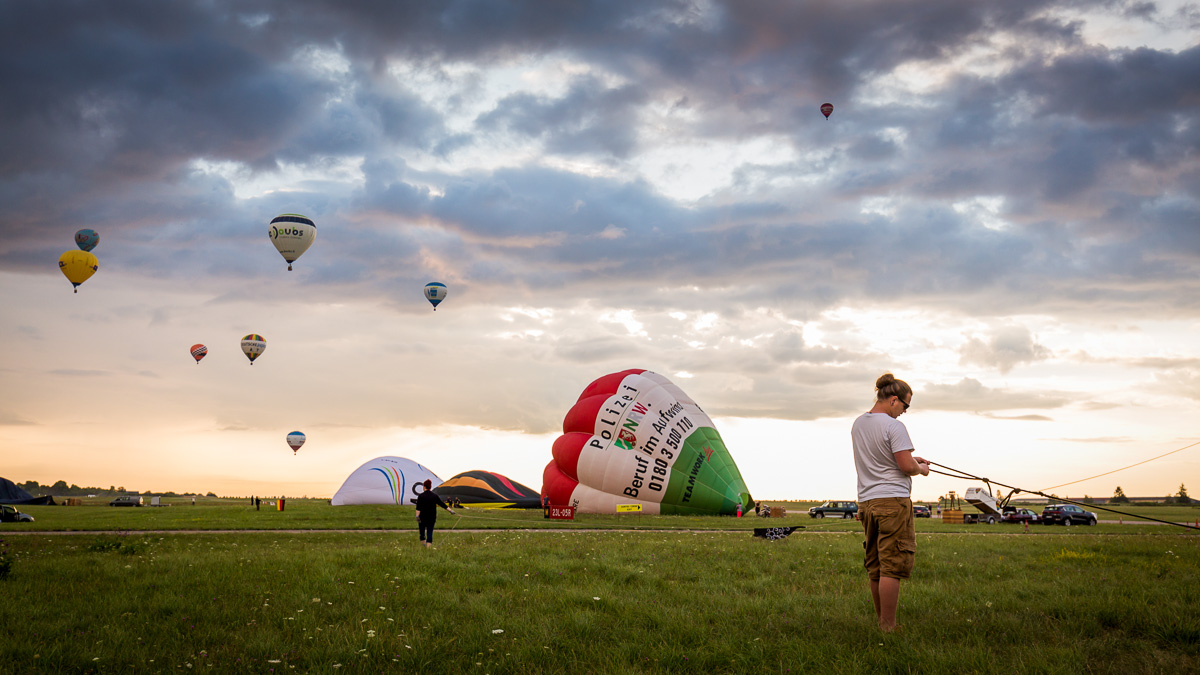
x=910, y=465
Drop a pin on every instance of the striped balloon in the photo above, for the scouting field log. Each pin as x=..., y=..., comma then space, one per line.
x=253, y=345
x=199, y=351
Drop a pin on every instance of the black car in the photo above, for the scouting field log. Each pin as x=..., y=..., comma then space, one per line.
x=920, y=511
x=1067, y=514
x=834, y=510
x=9, y=514
x=126, y=501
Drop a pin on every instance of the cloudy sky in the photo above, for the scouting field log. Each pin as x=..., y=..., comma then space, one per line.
x=1003, y=210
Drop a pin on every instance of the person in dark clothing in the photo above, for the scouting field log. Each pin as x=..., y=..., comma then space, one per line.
x=427, y=505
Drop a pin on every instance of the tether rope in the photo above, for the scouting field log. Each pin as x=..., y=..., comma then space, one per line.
x=967, y=476
x=1122, y=468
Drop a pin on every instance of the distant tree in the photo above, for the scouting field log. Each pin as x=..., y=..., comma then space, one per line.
x=211, y=494
x=59, y=488
x=1119, y=496
x=1087, y=499
x=1182, y=497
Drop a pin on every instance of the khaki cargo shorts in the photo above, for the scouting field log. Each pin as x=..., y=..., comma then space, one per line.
x=891, y=537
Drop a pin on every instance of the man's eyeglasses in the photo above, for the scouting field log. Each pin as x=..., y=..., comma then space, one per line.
x=903, y=403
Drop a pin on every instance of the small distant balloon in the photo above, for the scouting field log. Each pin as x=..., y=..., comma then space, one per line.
x=827, y=109
x=86, y=239
x=295, y=440
x=435, y=292
x=78, y=266
x=253, y=345
x=292, y=234
x=199, y=351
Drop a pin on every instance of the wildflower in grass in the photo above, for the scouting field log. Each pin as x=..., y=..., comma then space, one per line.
x=272, y=660
x=316, y=600
x=497, y=631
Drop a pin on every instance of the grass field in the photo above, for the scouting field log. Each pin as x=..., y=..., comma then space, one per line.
x=526, y=596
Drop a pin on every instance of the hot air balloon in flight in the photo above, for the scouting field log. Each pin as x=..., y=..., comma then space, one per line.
x=827, y=109
x=435, y=292
x=199, y=351
x=292, y=234
x=86, y=239
x=635, y=438
x=78, y=266
x=253, y=345
x=295, y=440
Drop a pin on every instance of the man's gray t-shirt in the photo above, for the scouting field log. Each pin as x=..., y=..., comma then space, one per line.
x=876, y=437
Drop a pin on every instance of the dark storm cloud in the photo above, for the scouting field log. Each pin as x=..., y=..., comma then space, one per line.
x=111, y=106
x=588, y=119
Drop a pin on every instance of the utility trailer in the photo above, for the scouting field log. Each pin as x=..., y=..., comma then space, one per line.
x=992, y=510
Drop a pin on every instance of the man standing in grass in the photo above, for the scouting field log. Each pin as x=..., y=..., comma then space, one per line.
x=885, y=463
x=427, y=505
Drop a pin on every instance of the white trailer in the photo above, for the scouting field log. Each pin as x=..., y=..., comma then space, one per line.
x=991, y=510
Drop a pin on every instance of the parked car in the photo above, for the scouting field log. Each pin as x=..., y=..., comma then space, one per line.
x=9, y=514
x=921, y=511
x=834, y=510
x=126, y=501
x=1067, y=514
x=1019, y=516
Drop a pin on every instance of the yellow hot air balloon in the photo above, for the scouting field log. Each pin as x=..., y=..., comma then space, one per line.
x=78, y=266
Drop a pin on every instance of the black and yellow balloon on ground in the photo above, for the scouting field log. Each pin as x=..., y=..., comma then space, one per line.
x=489, y=490
x=78, y=266
x=634, y=438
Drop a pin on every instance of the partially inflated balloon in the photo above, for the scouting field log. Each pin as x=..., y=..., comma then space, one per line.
x=78, y=266
x=292, y=234
x=633, y=437
x=86, y=239
x=295, y=440
x=199, y=351
x=435, y=292
x=253, y=345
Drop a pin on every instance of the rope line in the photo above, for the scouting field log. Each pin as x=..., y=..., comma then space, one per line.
x=966, y=476
x=1123, y=468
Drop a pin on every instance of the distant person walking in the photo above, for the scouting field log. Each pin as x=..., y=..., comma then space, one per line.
x=885, y=463
x=427, y=505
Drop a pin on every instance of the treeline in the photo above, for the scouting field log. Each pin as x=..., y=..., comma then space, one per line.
x=61, y=489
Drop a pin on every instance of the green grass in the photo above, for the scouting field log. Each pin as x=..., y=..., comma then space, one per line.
x=685, y=596
x=238, y=514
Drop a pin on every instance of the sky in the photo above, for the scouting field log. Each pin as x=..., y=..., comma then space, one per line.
x=1003, y=210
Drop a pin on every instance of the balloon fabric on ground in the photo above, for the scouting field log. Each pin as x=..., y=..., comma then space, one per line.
x=633, y=437
x=485, y=489
x=78, y=266
x=384, y=480
x=292, y=234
